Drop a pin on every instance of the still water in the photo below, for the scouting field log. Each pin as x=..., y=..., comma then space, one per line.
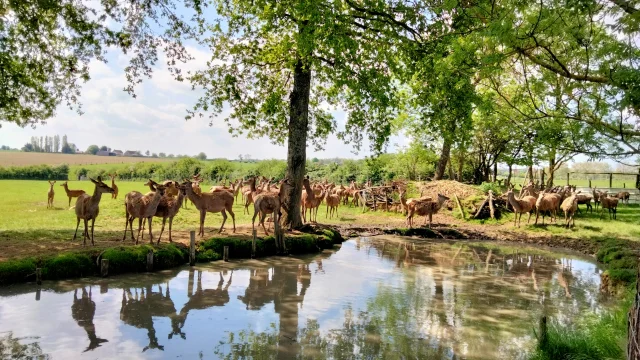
x=373, y=298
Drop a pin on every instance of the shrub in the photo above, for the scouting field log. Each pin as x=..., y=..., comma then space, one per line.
x=127, y=259
x=486, y=186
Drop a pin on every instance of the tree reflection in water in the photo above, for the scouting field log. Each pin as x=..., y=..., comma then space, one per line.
x=453, y=302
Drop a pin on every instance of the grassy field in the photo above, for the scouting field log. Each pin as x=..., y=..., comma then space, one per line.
x=619, y=181
x=12, y=158
x=28, y=227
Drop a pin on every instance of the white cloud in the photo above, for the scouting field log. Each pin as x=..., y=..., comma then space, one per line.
x=154, y=120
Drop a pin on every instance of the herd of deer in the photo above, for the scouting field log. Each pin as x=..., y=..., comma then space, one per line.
x=565, y=199
x=165, y=200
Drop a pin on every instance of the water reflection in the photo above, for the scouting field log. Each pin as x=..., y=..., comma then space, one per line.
x=371, y=299
x=83, y=311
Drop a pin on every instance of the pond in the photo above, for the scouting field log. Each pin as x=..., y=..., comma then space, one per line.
x=378, y=297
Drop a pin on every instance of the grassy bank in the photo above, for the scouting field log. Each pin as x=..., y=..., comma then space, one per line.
x=127, y=259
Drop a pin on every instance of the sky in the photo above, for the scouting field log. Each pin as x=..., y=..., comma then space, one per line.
x=155, y=120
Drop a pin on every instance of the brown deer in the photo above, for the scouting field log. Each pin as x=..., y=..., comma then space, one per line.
x=71, y=193
x=113, y=185
x=310, y=201
x=269, y=203
x=50, y=195
x=142, y=207
x=333, y=200
x=520, y=206
x=87, y=208
x=425, y=208
x=168, y=208
x=220, y=201
x=250, y=193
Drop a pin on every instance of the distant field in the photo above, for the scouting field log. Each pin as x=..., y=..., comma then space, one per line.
x=11, y=158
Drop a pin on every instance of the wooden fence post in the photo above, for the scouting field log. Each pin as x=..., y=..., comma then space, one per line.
x=589, y=182
x=150, y=261
x=543, y=331
x=610, y=180
x=104, y=267
x=38, y=291
x=253, y=244
x=226, y=253
x=192, y=248
x=567, y=178
x=633, y=322
x=39, y=276
x=459, y=206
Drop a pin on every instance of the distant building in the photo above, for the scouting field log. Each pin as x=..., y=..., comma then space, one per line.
x=118, y=152
x=132, y=153
x=104, y=153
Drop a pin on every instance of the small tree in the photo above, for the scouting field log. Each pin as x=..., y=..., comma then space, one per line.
x=147, y=153
x=93, y=149
x=162, y=155
x=104, y=148
x=201, y=156
x=28, y=147
x=171, y=156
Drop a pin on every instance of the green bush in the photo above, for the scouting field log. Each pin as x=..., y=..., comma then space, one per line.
x=169, y=256
x=14, y=271
x=35, y=172
x=69, y=265
x=207, y=255
x=485, y=187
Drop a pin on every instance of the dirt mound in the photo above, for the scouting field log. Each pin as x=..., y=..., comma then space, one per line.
x=447, y=188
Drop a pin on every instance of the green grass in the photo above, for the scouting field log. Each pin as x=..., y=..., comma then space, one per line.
x=594, y=337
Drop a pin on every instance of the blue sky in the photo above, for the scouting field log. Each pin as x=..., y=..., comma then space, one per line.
x=155, y=121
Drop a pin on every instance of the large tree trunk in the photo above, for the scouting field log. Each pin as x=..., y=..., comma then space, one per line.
x=444, y=159
x=530, y=173
x=495, y=171
x=450, y=169
x=297, y=150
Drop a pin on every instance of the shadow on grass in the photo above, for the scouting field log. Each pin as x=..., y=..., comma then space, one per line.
x=347, y=219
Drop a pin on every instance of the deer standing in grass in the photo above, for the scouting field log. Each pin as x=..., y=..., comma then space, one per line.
x=269, y=203
x=569, y=206
x=219, y=201
x=141, y=207
x=50, y=194
x=425, y=208
x=113, y=185
x=520, y=206
x=87, y=208
x=333, y=200
x=609, y=203
x=310, y=201
x=71, y=193
x=168, y=207
x=547, y=202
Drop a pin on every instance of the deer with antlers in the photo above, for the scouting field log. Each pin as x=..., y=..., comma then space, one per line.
x=269, y=203
x=50, y=195
x=141, y=207
x=113, y=185
x=219, y=201
x=72, y=193
x=87, y=208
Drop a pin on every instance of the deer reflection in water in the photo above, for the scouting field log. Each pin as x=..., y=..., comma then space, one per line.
x=139, y=308
x=200, y=300
x=83, y=311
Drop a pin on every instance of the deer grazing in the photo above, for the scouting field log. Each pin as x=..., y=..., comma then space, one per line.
x=50, y=195
x=269, y=203
x=520, y=206
x=425, y=208
x=141, y=207
x=219, y=201
x=71, y=193
x=113, y=185
x=87, y=208
x=623, y=196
